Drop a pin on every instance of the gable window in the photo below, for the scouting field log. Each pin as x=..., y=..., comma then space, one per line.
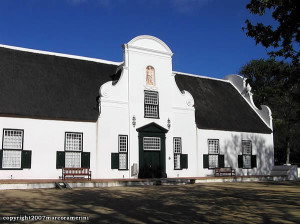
x=12, y=155
x=120, y=160
x=247, y=160
x=73, y=155
x=151, y=104
x=213, y=159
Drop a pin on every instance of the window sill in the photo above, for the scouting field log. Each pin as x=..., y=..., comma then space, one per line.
x=12, y=168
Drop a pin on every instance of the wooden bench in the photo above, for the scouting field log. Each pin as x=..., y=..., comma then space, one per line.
x=225, y=170
x=76, y=173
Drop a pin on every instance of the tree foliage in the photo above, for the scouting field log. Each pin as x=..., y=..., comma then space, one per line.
x=276, y=84
x=285, y=37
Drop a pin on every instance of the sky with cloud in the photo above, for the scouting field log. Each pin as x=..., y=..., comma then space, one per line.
x=205, y=36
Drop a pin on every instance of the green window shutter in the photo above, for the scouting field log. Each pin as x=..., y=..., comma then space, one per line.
x=26, y=159
x=60, y=159
x=1, y=158
x=240, y=161
x=183, y=161
x=253, y=161
x=115, y=160
x=221, y=161
x=85, y=160
x=205, y=161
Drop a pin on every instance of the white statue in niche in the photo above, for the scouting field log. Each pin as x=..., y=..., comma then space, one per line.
x=150, y=79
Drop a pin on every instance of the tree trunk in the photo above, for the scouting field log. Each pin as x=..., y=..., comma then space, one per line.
x=288, y=151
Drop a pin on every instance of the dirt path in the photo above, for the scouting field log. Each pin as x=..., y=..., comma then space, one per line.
x=272, y=202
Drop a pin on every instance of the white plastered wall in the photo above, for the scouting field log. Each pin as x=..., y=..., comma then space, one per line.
x=231, y=146
x=119, y=103
x=44, y=138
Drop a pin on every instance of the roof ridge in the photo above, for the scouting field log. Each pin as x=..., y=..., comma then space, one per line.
x=60, y=55
x=200, y=76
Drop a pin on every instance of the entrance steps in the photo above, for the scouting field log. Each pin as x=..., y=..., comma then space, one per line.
x=62, y=185
x=171, y=181
x=69, y=184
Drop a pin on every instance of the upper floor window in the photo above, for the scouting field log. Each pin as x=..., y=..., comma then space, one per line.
x=151, y=104
x=150, y=76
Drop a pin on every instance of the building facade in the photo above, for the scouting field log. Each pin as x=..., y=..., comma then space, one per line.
x=133, y=119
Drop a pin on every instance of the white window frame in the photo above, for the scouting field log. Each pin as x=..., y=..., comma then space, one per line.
x=73, y=149
x=151, y=104
x=12, y=145
x=123, y=152
x=213, y=153
x=151, y=143
x=247, y=153
x=177, y=147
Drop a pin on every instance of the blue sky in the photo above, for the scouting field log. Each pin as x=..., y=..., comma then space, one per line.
x=205, y=36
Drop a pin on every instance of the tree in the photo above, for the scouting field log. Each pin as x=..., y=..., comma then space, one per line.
x=276, y=84
x=286, y=36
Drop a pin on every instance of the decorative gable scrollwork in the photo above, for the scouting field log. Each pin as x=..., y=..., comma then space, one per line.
x=188, y=98
x=105, y=89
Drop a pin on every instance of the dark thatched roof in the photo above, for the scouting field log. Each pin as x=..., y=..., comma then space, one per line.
x=53, y=87
x=46, y=86
x=219, y=106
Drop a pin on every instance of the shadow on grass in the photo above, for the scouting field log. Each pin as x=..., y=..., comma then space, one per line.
x=267, y=202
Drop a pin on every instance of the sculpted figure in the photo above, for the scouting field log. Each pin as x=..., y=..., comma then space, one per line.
x=150, y=76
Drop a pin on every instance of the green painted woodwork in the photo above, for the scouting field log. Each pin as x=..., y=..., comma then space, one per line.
x=183, y=161
x=26, y=159
x=152, y=128
x=60, y=159
x=205, y=161
x=253, y=161
x=240, y=161
x=85, y=160
x=1, y=152
x=152, y=164
x=115, y=161
x=221, y=161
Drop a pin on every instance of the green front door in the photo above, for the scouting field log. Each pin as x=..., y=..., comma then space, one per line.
x=152, y=151
x=151, y=166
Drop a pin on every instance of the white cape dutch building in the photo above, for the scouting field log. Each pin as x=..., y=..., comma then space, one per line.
x=138, y=118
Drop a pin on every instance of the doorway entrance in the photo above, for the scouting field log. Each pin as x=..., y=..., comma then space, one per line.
x=152, y=151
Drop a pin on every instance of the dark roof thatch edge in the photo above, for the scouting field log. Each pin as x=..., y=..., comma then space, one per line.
x=232, y=130
x=46, y=118
x=227, y=81
x=61, y=55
